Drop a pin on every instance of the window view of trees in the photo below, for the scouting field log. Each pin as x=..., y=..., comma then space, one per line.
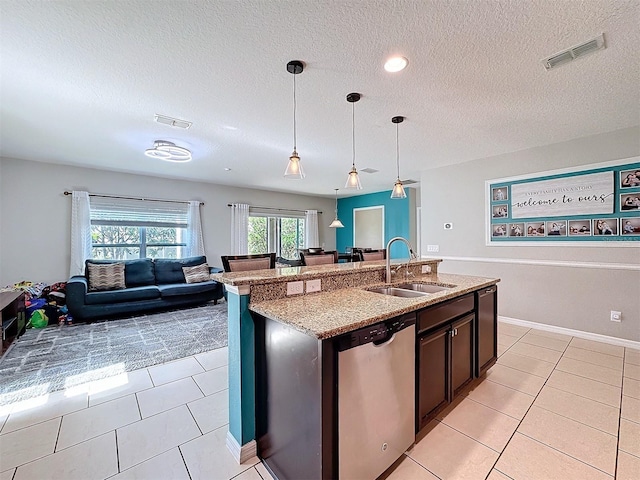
x=274, y=234
x=122, y=242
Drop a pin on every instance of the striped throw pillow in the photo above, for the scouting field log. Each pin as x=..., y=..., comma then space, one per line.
x=197, y=274
x=109, y=276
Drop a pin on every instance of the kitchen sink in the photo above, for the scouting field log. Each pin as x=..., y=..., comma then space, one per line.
x=424, y=287
x=398, y=292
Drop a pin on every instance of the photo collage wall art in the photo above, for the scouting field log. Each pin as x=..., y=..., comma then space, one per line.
x=594, y=205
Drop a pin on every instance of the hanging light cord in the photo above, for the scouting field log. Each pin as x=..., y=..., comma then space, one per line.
x=397, y=152
x=353, y=131
x=294, y=111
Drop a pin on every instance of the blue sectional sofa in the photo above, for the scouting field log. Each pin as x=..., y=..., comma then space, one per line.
x=151, y=284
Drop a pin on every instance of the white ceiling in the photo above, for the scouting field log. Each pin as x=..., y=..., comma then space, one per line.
x=82, y=80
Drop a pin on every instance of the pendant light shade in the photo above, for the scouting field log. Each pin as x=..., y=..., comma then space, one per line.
x=398, y=189
x=353, y=180
x=336, y=221
x=294, y=167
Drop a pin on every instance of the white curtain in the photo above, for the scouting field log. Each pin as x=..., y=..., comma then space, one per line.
x=311, y=238
x=239, y=229
x=195, y=241
x=80, y=232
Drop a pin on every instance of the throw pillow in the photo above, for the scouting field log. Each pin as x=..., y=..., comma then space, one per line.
x=109, y=276
x=197, y=274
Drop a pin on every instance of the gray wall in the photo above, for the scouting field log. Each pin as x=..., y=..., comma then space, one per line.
x=568, y=286
x=35, y=214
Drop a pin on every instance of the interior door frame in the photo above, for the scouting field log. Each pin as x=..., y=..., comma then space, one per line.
x=375, y=207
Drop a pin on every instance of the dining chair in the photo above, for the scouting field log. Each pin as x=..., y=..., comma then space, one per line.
x=244, y=263
x=373, y=255
x=319, y=258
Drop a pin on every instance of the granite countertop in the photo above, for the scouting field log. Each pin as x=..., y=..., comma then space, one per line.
x=257, y=277
x=328, y=314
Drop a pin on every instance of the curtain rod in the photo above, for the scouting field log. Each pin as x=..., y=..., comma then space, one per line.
x=101, y=195
x=273, y=208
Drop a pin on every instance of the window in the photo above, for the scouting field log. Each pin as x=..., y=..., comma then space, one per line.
x=122, y=229
x=283, y=235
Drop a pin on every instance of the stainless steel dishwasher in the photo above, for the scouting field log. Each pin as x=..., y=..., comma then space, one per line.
x=376, y=397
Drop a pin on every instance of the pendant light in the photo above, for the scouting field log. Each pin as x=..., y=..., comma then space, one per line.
x=353, y=180
x=294, y=168
x=336, y=221
x=398, y=189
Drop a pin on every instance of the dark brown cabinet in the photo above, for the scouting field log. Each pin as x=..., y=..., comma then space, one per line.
x=445, y=355
x=487, y=342
x=461, y=353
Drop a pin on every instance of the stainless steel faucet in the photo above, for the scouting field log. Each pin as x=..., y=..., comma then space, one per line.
x=411, y=254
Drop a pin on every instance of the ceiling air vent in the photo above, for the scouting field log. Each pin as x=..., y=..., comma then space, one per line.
x=575, y=52
x=172, y=122
x=369, y=170
x=408, y=182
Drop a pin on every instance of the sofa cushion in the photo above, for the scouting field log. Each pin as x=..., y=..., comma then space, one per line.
x=137, y=272
x=187, y=288
x=127, y=295
x=197, y=274
x=169, y=270
x=106, y=277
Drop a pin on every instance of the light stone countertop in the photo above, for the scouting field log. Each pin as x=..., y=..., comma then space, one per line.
x=328, y=314
x=289, y=274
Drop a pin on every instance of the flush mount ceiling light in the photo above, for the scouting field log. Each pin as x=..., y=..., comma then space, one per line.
x=168, y=151
x=294, y=167
x=396, y=64
x=353, y=181
x=336, y=221
x=398, y=189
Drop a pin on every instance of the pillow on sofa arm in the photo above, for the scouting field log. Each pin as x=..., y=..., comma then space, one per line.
x=106, y=276
x=197, y=273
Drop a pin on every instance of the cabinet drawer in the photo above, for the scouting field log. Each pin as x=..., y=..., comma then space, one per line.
x=434, y=316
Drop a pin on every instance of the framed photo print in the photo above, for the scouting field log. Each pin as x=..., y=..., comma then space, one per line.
x=500, y=193
x=630, y=178
x=630, y=226
x=499, y=230
x=605, y=226
x=535, y=229
x=516, y=229
x=500, y=211
x=630, y=201
x=557, y=228
x=579, y=227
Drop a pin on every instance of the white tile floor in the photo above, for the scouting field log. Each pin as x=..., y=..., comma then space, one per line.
x=553, y=407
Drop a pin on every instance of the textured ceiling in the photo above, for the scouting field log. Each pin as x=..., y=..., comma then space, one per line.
x=82, y=80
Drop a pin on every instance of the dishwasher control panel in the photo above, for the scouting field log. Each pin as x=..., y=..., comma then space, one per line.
x=377, y=333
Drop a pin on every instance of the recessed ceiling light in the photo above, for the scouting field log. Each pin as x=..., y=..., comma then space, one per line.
x=227, y=169
x=395, y=64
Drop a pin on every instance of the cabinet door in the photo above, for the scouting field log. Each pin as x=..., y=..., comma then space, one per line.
x=433, y=378
x=462, y=353
x=487, y=347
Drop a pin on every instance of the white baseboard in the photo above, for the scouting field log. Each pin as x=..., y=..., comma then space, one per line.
x=244, y=452
x=569, y=331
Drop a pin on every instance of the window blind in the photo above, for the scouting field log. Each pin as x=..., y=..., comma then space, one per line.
x=144, y=213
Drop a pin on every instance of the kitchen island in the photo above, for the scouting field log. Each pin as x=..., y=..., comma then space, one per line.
x=284, y=352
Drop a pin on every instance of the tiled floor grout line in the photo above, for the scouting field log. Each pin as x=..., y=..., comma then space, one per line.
x=624, y=354
x=526, y=413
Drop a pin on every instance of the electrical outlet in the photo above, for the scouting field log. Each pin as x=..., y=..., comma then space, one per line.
x=295, y=288
x=616, y=316
x=314, y=285
x=426, y=268
x=433, y=248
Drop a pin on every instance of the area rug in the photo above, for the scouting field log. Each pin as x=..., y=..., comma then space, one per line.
x=62, y=357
